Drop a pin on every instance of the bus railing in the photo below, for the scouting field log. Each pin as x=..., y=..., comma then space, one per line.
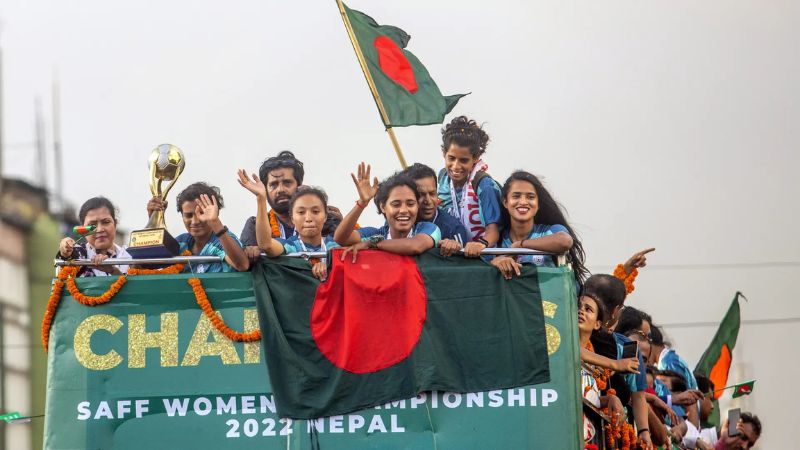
x=560, y=259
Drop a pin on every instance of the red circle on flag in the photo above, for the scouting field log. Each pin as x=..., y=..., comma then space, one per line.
x=395, y=64
x=369, y=314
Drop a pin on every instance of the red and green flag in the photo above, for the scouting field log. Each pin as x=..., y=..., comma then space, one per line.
x=402, y=84
x=389, y=327
x=743, y=389
x=715, y=363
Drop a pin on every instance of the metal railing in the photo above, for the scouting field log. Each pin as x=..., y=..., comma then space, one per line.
x=560, y=259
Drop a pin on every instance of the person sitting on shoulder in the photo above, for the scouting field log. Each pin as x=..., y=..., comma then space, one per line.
x=464, y=186
x=453, y=233
x=100, y=213
x=281, y=175
x=199, y=206
x=536, y=222
x=309, y=207
x=397, y=199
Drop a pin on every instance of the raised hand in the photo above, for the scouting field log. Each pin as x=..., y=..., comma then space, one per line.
x=253, y=185
x=637, y=260
x=206, y=209
x=156, y=204
x=65, y=247
x=366, y=191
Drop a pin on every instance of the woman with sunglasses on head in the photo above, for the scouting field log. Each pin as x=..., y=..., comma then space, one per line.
x=397, y=198
x=308, y=207
x=99, y=213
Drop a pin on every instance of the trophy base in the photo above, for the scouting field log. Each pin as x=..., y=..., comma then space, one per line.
x=152, y=243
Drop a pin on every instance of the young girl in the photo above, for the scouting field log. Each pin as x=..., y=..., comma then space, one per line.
x=397, y=199
x=466, y=190
x=535, y=221
x=308, y=207
x=100, y=213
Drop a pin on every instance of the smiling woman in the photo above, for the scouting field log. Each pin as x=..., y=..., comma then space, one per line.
x=97, y=212
x=397, y=198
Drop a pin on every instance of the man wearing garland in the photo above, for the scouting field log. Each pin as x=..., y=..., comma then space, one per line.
x=282, y=175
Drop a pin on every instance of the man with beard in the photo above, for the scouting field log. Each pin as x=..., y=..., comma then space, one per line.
x=282, y=175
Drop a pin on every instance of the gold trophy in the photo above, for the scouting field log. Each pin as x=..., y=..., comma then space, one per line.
x=154, y=241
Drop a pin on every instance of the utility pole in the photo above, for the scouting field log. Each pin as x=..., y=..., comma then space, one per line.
x=41, y=155
x=58, y=189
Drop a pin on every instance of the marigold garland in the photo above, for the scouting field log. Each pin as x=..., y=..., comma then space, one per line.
x=53, y=301
x=622, y=431
x=219, y=324
x=274, y=225
x=600, y=374
x=627, y=278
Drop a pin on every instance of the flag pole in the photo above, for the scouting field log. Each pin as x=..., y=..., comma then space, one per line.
x=363, y=63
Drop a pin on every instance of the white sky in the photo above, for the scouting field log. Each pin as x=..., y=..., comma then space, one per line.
x=673, y=125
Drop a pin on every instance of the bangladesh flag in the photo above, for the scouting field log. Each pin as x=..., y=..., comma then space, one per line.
x=742, y=389
x=389, y=327
x=404, y=87
x=716, y=360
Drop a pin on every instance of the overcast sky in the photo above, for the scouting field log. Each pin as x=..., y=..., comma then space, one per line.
x=672, y=125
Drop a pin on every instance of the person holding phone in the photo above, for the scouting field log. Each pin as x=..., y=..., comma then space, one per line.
x=742, y=435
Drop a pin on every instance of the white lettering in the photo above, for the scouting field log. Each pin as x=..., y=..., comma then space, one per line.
x=335, y=424
x=267, y=403
x=123, y=407
x=516, y=396
x=142, y=406
x=533, y=396
x=206, y=406
x=173, y=405
x=434, y=399
x=549, y=396
x=318, y=424
x=451, y=400
x=419, y=400
x=103, y=410
x=83, y=411
x=226, y=407
x=394, y=427
x=248, y=404
x=376, y=424
x=354, y=422
x=475, y=399
x=495, y=399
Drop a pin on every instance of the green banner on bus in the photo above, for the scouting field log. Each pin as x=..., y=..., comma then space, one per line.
x=149, y=370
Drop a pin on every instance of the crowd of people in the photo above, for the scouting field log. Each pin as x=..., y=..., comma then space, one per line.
x=651, y=398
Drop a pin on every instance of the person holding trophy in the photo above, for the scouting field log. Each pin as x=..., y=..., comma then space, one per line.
x=199, y=206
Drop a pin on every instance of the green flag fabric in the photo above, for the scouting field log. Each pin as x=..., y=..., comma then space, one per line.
x=407, y=91
x=743, y=389
x=715, y=363
x=389, y=327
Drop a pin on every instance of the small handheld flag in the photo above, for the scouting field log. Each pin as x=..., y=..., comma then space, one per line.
x=742, y=389
x=82, y=230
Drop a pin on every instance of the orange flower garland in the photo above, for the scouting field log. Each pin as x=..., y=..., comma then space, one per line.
x=600, y=374
x=628, y=278
x=219, y=324
x=169, y=270
x=105, y=297
x=274, y=225
x=53, y=301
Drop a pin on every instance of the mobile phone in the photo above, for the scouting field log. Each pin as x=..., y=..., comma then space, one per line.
x=733, y=420
x=630, y=350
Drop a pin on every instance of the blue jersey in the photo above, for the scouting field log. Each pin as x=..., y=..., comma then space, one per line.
x=488, y=200
x=419, y=228
x=212, y=248
x=295, y=245
x=450, y=227
x=538, y=231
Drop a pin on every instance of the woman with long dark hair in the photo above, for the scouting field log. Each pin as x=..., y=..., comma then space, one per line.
x=536, y=221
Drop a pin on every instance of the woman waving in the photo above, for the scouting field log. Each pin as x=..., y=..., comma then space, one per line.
x=397, y=199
